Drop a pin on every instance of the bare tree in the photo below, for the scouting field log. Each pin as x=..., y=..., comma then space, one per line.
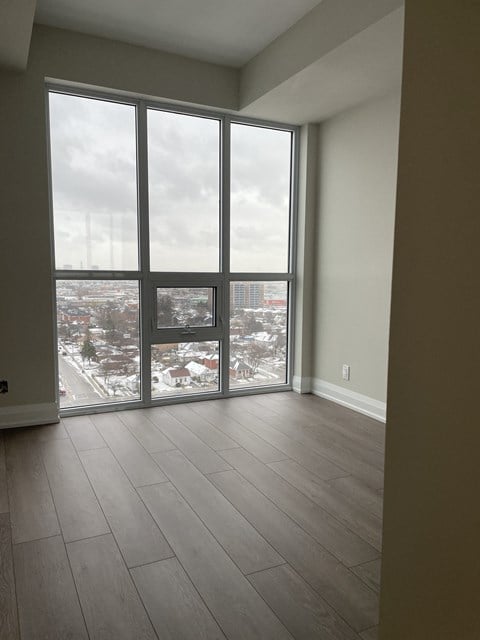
x=255, y=354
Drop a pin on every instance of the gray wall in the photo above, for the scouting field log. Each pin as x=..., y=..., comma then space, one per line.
x=357, y=172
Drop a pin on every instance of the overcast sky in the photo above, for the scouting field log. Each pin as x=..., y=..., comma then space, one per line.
x=95, y=190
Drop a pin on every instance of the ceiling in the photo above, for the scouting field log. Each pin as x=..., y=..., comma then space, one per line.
x=299, y=60
x=228, y=32
x=364, y=67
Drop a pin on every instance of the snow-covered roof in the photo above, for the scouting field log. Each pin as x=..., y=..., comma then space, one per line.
x=239, y=365
x=177, y=373
x=197, y=369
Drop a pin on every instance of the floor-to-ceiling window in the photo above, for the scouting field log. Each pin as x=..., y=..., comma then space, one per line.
x=172, y=242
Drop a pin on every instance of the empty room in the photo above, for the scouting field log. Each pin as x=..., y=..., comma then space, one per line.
x=239, y=345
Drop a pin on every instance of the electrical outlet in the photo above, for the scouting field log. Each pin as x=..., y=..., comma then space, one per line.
x=346, y=372
x=3, y=386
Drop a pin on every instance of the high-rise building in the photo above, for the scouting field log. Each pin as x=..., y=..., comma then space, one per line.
x=247, y=295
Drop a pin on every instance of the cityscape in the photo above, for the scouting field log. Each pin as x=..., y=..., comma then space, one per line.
x=99, y=340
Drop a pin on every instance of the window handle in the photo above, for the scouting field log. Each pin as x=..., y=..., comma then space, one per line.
x=187, y=331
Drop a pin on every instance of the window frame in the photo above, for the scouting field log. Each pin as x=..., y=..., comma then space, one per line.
x=148, y=280
x=189, y=281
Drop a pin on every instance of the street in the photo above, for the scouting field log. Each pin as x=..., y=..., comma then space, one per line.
x=79, y=391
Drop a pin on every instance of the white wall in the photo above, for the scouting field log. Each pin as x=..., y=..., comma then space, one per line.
x=357, y=171
x=307, y=203
x=324, y=29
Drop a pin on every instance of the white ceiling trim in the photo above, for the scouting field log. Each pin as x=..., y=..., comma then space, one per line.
x=328, y=26
x=227, y=32
x=367, y=66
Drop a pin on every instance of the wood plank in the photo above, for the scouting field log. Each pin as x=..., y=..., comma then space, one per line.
x=352, y=441
x=139, y=466
x=248, y=402
x=204, y=458
x=8, y=602
x=292, y=405
x=175, y=608
x=348, y=459
x=108, y=596
x=360, y=493
x=287, y=411
x=370, y=572
x=354, y=433
x=237, y=536
x=151, y=438
x=214, y=438
x=83, y=433
x=346, y=593
x=267, y=400
x=291, y=409
x=41, y=433
x=370, y=634
x=137, y=535
x=309, y=459
x=252, y=443
x=348, y=416
x=32, y=512
x=333, y=452
x=261, y=400
x=240, y=611
x=48, y=605
x=78, y=511
x=366, y=525
x=3, y=477
x=305, y=614
x=329, y=532
x=312, y=413
x=335, y=414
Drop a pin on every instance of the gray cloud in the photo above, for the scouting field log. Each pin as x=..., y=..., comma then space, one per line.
x=95, y=187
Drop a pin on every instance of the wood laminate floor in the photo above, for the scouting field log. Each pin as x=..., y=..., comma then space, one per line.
x=251, y=518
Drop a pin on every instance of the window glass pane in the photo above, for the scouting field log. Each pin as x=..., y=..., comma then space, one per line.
x=94, y=183
x=260, y=199
x=185, y=306
x=185, y=368
x=98, y=341
x=184, y=192
x=258, y=333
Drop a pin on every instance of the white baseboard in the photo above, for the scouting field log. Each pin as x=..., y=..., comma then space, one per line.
x=351, y=399
x=302, y=385
x=28, y=415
